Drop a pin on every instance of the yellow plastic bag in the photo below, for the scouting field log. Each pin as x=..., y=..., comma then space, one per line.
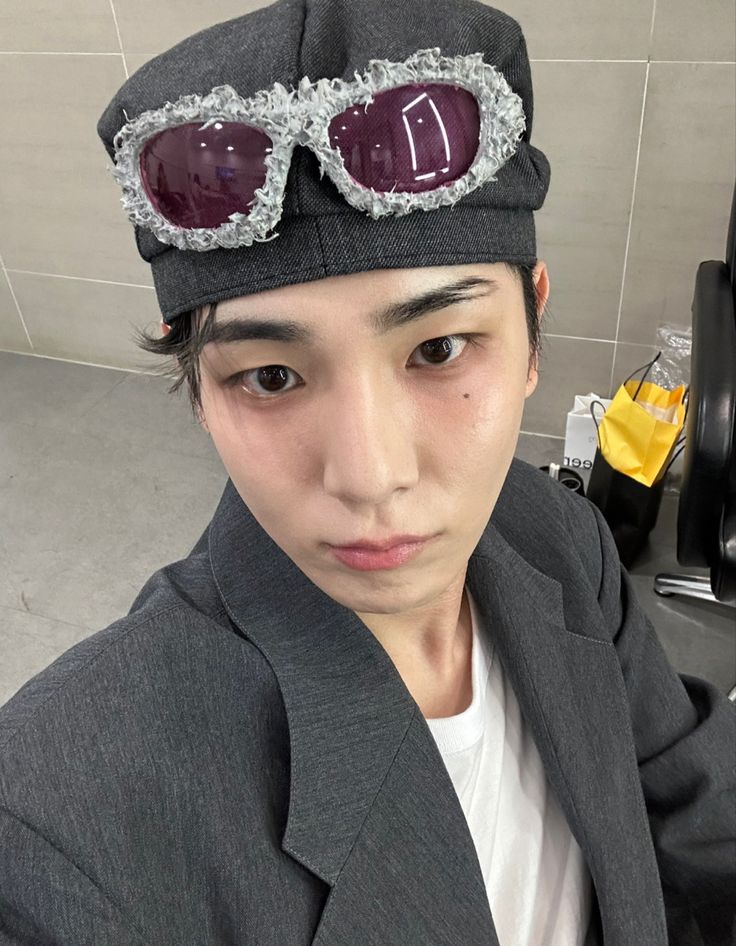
x=640, y=429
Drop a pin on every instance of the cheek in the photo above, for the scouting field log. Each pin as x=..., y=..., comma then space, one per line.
x=265, y=475
x=496, y=406
x=267, y=457
x=484, y=439
x=238, y=438
x=495, y=400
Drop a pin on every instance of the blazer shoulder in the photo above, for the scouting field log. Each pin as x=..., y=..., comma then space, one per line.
x=155, y=661
x=556, y=530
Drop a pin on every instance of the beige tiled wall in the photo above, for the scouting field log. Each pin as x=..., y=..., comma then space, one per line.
x=634, y=106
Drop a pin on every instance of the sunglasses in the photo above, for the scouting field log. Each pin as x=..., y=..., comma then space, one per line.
x=210, y=171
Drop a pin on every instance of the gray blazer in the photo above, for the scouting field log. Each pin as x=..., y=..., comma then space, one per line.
x=238, y=762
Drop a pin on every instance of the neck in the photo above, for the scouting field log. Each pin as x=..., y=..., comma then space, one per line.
x=434, y=663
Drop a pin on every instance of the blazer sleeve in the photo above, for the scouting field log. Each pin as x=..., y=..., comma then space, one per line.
x=45, y=900
x=685, y=735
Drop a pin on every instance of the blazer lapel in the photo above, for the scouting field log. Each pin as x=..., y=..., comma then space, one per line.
x=372, y=809
x=566, y=676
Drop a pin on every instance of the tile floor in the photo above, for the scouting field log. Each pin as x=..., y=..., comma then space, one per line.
x=105, y=477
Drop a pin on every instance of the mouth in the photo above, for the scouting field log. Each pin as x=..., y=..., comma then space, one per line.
x=381, y=545
x=368, y=559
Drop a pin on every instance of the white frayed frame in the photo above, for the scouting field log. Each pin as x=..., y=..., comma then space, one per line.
x=301, y=117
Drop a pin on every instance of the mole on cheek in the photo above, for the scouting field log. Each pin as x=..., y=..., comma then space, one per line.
x=466, y=395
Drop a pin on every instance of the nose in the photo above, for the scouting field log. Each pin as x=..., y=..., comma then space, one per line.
x=368, y=443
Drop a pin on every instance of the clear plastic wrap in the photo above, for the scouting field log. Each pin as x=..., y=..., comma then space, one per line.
x=673, y=367
x=670, y=370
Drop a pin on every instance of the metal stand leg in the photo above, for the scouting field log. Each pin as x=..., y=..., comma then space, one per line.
x=689, y=586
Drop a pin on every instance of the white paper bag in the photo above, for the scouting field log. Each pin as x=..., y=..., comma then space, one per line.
x=581, y=437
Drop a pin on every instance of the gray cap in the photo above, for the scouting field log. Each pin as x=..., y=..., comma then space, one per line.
x=319, y=233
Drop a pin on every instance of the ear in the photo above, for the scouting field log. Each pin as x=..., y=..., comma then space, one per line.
x=165, y=329
x=540, y=275
x=541, y=285
x=202, y=420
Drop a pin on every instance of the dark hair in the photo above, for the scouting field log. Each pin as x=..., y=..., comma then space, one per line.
x=189, y=334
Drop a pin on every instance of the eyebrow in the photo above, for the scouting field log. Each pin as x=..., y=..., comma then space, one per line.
x=393, y=317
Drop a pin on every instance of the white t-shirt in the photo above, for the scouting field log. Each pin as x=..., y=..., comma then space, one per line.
x=538, y=884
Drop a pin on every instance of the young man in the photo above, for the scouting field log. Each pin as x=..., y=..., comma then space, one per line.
x=468, y=736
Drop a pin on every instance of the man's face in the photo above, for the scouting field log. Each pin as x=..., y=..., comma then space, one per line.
x=363, y=434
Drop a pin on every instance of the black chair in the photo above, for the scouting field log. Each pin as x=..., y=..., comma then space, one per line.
x=706, y=515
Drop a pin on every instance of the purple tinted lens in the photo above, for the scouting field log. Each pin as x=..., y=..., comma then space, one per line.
x=413, y=138
x=198, y=178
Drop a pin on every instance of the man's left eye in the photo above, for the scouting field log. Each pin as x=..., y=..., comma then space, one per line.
x=444, y=344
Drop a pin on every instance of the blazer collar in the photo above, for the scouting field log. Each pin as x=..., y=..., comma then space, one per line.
x=358, y=739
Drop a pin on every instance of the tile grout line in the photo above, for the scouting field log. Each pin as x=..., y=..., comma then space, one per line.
x=633, y=201
x=656, y=62
x=107, y=282
x=695, y=62
x=15, y=300
x=530, y=433
x=72, y=361
x=587, y=60
x=45, y=617
x=51, y=52
x=101, y=398
x=120, y=41
x=585, y=338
